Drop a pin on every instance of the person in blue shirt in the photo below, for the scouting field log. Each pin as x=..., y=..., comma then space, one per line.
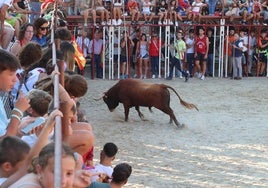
x=41, y=30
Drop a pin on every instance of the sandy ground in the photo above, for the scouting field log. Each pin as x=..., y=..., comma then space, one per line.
x=225, y=144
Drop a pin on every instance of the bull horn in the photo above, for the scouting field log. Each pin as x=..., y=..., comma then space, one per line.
x=101, y=97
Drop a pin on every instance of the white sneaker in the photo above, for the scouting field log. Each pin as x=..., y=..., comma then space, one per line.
x=159, y=23
x=153, y=77
x=103, y=23
x=180, y=76
x=199, y=75
x=114, y=22
x=170, y=22
x=202, y=77
x=119, y=22
x=176, y=24
x=165, y=22
x=109, y=22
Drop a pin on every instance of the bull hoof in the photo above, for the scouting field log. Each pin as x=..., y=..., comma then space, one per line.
x=181, y=126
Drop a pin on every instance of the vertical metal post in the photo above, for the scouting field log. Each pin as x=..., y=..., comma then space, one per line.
x=222, y=25
x=58, y=131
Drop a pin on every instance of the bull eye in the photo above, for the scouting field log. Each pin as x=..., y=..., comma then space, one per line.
x=105, y=96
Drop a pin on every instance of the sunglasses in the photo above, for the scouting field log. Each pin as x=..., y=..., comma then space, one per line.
x=43, y=28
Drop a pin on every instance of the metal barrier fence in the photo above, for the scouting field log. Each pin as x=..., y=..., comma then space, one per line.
x=166, y=33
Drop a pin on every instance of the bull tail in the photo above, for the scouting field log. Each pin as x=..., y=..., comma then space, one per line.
x=183, y=103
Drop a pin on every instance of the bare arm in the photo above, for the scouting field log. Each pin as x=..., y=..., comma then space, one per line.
x=41, y=142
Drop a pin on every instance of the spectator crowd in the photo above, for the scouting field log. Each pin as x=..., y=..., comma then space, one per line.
x=27, y=114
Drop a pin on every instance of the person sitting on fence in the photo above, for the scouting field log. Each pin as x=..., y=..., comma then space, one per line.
x=172, y=9
x=256, y=11
x=85, y=10
x=103, y=12
x=232, y=10
x=117, y=12
x=133, y=8
x=162, y=12
x=184, y=8
x=243, y=10
x=197, y=6
x=146, y=11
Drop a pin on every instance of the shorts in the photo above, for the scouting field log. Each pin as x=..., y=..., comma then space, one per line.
x=200, y=57
x=146, y=56
x=148, y=13
x=123, y=59
x=263, y=57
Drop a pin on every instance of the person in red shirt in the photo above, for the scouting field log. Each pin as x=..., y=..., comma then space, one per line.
x=201, y=52
x=154, y=51
x=133, y=8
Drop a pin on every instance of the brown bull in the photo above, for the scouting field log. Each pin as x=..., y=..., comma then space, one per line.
x=136, y=93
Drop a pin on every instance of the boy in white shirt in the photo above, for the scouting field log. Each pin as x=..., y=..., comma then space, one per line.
x=107, y=156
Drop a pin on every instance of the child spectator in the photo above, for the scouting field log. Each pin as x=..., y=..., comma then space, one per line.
x=233, y=10
x=13, y=151
x=83, y=41
x=244, y=38
x=180, y=48
x=243, y=10
x=146, y=11
x=184, y=7
x=210, y=52
x=39, y=102
x=256, y=11
x=133, y=8
x=8, y=66
x=172, y=8
x=252, y=44
x=263, y=49
x=201, y=53
x=197, y=6
x=162, y=12
x=107, y=156
x=29, y=55
x=120, y=177
x=117, y=12
x=42, y=175
x=237, y=55
x=189, y=40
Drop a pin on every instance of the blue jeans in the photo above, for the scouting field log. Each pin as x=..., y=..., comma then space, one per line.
x=97, y=61
x=35, y=7
x=210, y=64
x=175, y=62
x=154, y=65
x=211, y=6
x=190, y=61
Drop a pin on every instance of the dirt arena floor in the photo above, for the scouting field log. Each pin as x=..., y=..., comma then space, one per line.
x=225, y=144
